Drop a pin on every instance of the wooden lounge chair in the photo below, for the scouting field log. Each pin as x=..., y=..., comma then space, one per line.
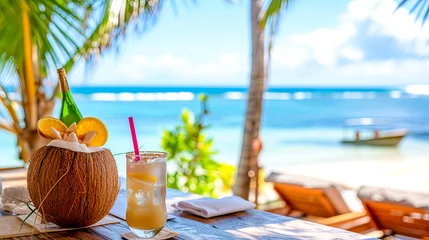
x=397, y=212
x=318, y=201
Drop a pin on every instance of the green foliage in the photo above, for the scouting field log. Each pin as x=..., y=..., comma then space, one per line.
x=192, y=167
x=64, y=31
x=273, y=10
x=61, y=32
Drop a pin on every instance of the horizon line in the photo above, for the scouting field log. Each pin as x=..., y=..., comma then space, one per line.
x=241, y=86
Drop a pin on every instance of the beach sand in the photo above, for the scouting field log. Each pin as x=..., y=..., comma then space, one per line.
x=407, y=174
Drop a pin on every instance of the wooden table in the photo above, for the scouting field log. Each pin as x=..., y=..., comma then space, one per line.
x=252, y=224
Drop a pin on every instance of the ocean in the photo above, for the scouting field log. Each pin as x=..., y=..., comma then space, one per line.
x=299, y=125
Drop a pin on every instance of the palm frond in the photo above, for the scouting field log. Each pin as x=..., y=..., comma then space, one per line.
x=105, y=24
x=59, y=32
x=274, y=25
x=54, y=43
x=272, y=16
x=7, y=73
x=62, y=31
x=274, y=9
x=118, y=18
x=418, y=7
x=7, y=84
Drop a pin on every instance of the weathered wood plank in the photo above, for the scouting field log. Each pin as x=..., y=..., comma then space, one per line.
x=190, y=229
x=252, y=224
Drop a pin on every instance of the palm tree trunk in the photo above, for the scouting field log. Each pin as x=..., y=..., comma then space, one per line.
x=28, y=139
x=29, y=77
x=28, y=143
x=254, y=104
x=35, y=103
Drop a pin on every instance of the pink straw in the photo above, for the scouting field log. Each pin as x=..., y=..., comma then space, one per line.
x=134, y=137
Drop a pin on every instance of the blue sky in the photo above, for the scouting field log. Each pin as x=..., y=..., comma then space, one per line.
x=327, y=43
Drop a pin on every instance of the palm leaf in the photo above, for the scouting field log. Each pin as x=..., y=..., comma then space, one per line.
x=116, y=21
x=64, y=31
x=420, y=8
x=272, y=16
x=57, y=33
x=275, y=9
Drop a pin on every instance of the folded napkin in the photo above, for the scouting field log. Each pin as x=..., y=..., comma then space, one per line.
x=14, y=200
x=210, y=207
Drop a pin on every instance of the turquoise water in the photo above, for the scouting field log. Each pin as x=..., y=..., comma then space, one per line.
x=300, y=125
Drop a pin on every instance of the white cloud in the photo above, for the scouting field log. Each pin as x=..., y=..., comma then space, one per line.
x=387, y=20
x=323, y=44
x=359, y=10
x=227, y=64
x=352, y=53
x=359, y=50
x=364, y=73
x=406, y=68
x=289, y=57
x=361, y=45
x=168, y=69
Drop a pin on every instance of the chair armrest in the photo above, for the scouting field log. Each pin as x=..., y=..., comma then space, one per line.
x=375, y=234
x=353, y=221
x=346, y=217
x=281, y=211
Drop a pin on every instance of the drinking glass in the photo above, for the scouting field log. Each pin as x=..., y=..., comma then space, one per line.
x=146, y=178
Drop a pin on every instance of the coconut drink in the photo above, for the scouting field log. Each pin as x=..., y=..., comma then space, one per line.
x=73, y=181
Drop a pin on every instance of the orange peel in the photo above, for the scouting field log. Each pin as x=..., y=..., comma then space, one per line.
x=45, y=125
x=140, y=177
x=90, y=131
x=89, y=124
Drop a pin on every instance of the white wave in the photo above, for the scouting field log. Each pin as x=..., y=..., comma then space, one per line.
x=276, y=96
x=103, y=97
x=418, y=89
x=359, y=95
x=234, y=95
x=158, y=96
x=170, y=96
x=302, y=95
x=146, y=96
x=371, y=95
x=126, y=96
x=337, y=95
x=80, y=96
x=395, y=94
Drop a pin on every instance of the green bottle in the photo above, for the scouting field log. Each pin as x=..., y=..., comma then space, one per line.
x=69, y=111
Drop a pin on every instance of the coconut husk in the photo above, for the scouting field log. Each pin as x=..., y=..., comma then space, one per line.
x=72, y=189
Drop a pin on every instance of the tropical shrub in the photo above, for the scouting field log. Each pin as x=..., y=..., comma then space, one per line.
x=191, y=163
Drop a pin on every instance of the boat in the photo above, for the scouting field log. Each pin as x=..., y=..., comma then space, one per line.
x=373, y=132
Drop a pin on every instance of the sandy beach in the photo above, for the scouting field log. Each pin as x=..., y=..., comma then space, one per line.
x=406, y=174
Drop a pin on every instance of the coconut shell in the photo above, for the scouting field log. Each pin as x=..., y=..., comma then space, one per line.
x=72, y=189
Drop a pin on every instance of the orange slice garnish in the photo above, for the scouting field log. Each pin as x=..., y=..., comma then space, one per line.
x=141, y=177
x=93, y=124
x=45, y=125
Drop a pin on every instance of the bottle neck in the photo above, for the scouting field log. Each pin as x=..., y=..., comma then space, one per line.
x=63, y=80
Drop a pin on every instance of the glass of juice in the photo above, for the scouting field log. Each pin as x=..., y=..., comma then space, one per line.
x=146, y=178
